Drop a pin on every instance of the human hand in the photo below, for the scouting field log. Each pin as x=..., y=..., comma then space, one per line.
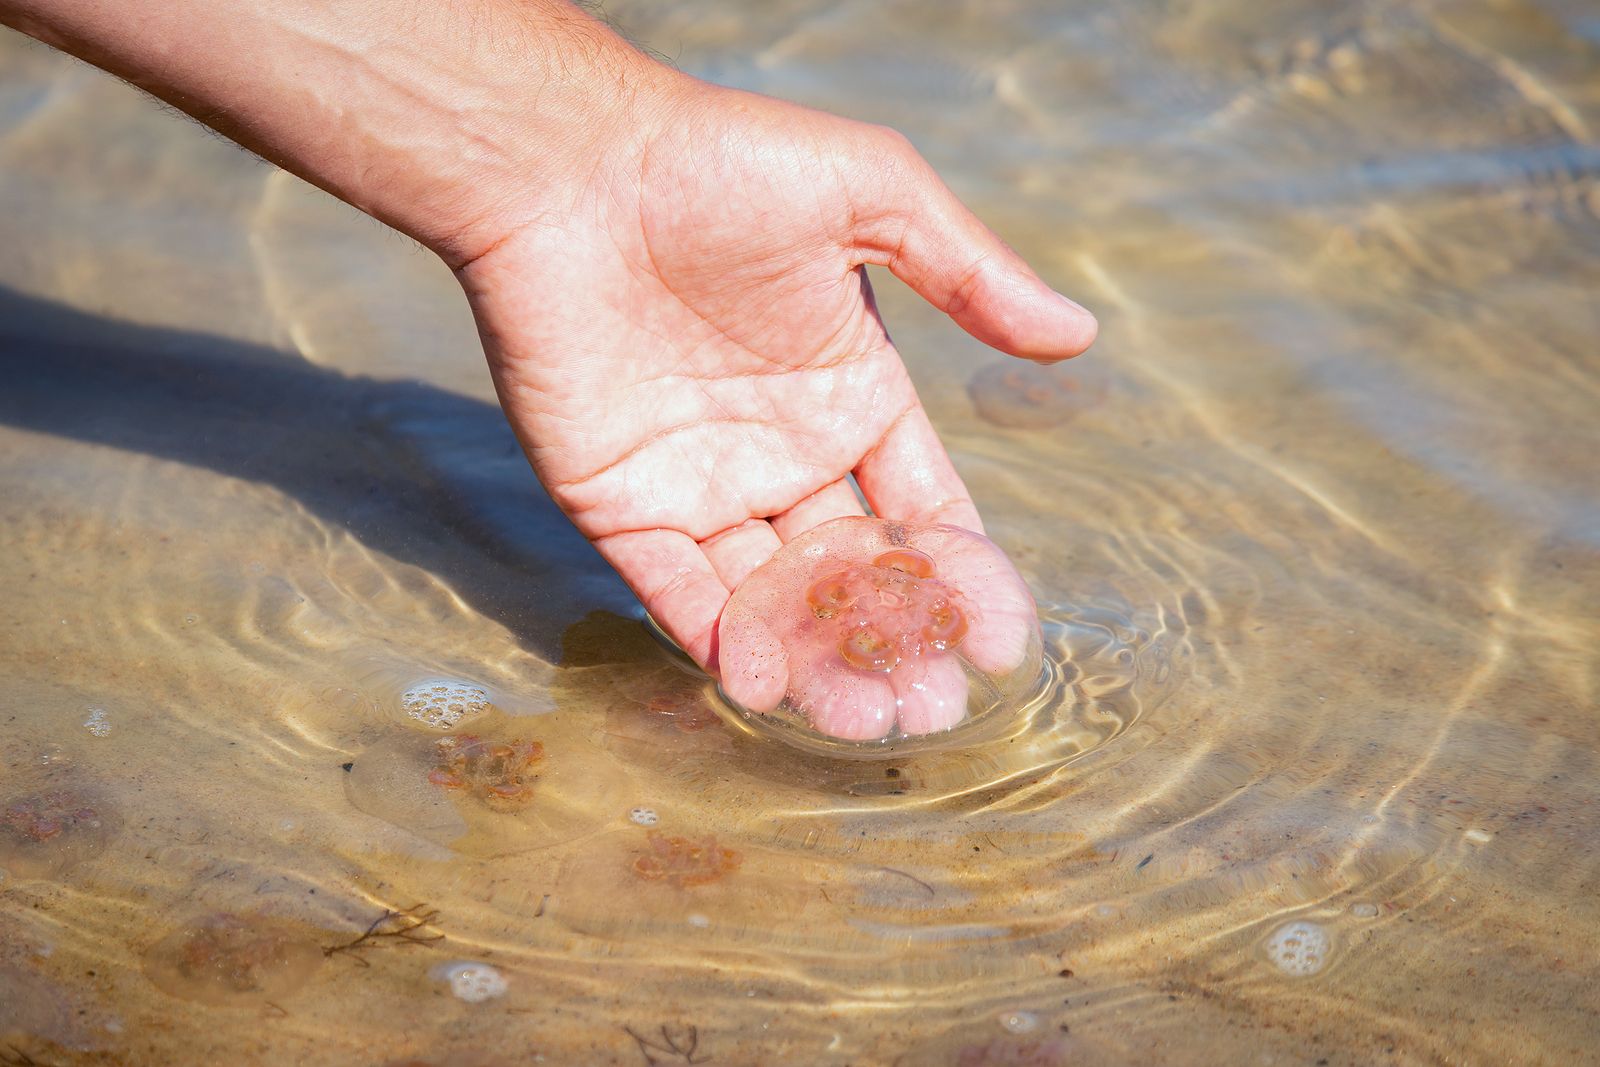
x=667, y=276
x=690, y=353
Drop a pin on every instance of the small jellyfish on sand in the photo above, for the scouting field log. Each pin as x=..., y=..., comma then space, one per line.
x=485, y=795
x=229, y=959
x=33, y=1006
x=684, y=707
x=470, y=981
x=1027, y=396
x=499, y=773
x=1009, y=1053
x=44, y=834
x=684, y=862
x=1019, y=1022
x=864, y=629
x=1299, y=948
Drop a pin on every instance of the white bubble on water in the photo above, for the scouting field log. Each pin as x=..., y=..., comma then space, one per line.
x=97, y=723
x=1364, y=910
x=644, y=816
x=472, y=982
x=1478, y=837
x=1300, y=948
x=443, y=702
x=1019, y=1022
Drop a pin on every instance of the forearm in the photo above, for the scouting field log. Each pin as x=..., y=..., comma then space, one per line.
x=430, y=116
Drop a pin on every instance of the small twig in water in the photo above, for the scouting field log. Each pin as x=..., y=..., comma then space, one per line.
x=413, y=926
x=682, y=1046
x=15, y=1057
x=895, y=870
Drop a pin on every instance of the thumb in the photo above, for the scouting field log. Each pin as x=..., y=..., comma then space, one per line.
x=910, y=222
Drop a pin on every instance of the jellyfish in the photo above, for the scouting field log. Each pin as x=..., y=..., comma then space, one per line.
x=35, y=1008
x=971, y=1048
x=868, y=630
x=499, y=773
x=684, y=862
x=1027, y=396
x=1049, y=1052
x=44, y=834
x=683, y=707
x=1300, y=948
x=489, y=794
x=229, y=959
x=684, y=874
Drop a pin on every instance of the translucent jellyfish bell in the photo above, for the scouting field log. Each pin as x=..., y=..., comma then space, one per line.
x=878, y=633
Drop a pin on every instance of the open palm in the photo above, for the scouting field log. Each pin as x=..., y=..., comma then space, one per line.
x=690, y=353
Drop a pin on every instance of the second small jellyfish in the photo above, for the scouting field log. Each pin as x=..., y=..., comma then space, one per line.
x=684, y=862
x=499, y=773
x=230, y=959
x=44, y=834
x=483, y=795
x=1027, y=396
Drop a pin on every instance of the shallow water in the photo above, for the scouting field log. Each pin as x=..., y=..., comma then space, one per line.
x=1315, y=529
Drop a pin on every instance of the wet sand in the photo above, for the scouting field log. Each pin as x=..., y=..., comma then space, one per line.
x=1315, y=532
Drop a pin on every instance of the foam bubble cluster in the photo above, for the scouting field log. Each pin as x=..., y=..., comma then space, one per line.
x=1300, y=948
x=442, y=703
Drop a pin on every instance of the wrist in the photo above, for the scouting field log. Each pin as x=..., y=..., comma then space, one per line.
x=522, y=134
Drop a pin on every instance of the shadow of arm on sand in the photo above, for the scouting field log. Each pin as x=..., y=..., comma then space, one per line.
x=414, y=472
